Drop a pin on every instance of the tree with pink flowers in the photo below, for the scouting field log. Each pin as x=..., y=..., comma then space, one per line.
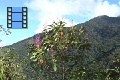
x=59, y=52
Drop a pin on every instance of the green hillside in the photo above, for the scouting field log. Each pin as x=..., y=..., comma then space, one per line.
x=103, y=33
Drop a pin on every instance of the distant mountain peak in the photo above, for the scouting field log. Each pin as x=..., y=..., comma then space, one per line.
x=118, y=16
x=103, y=16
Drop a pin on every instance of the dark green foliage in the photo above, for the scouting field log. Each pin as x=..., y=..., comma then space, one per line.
x=101, y=62
x=62, y=53
x=104, y=35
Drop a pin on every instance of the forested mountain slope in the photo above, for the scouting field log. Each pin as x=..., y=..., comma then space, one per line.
x=103, y=33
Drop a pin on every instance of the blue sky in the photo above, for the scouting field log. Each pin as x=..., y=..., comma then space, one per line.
x=43, y=12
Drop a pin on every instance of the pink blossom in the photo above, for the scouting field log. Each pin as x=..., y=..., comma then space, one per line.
x=37, y=40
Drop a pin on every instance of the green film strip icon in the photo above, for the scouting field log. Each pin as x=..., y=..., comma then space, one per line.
x=17, y=17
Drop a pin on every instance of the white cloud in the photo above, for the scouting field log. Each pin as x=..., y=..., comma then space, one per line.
x=119, y=2
x=49, y=10
x=47, y=20
x=106, y=9
x=2, y=44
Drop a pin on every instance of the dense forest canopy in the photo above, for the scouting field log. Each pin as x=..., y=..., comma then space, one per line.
x=100, y=62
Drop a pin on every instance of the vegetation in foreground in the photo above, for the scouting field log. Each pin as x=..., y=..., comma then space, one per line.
x=61, y=54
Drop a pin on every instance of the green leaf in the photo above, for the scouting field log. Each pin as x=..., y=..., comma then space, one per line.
x=35, y=59
x=54, y=66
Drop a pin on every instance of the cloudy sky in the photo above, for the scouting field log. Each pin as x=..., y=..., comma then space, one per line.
x=43, y=12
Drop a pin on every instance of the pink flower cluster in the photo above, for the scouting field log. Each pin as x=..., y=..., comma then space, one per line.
x=37, y=40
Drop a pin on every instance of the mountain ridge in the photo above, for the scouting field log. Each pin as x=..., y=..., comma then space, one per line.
x=102, y=17
x=103, y=33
